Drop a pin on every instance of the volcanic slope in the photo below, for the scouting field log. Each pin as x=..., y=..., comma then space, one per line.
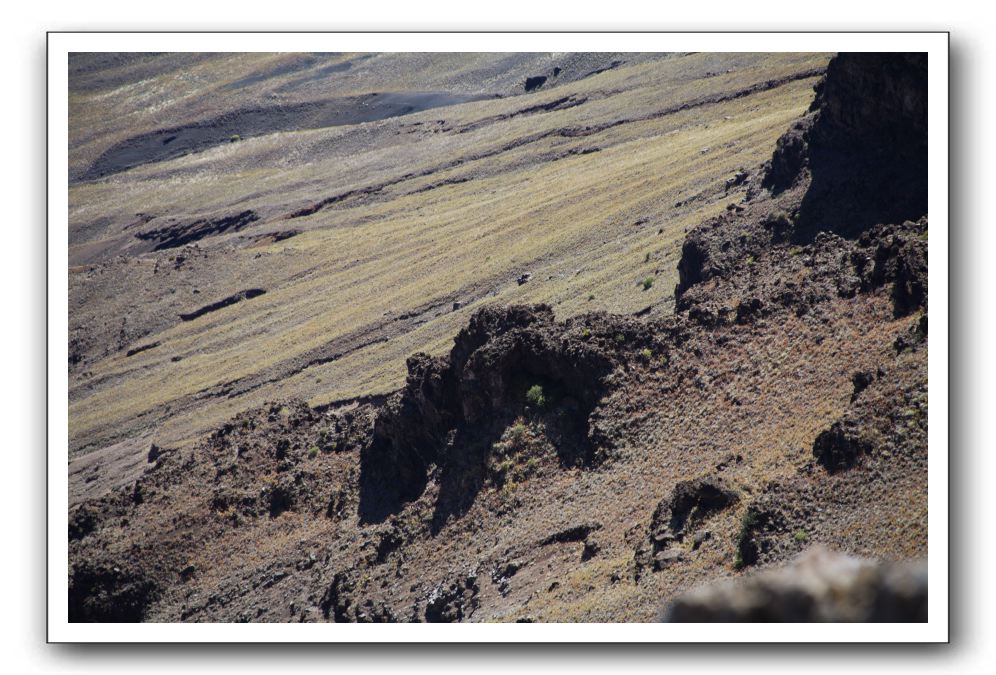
x=311, y=262
x=585, y=467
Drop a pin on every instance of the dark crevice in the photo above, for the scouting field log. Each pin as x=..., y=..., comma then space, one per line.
x=221, y=304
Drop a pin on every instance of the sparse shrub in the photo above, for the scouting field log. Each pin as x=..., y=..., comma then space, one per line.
x=647, y=354
x=778, y=221
x=620, y=338
x=536, y=397
x=313, y=452
x=751, y=260
x=923, y=236
x=646, y=258
x=591, y=296
x=234, y=138
x=514, y=458
x=586, y=333
x=801, y=536
x=648, y=283
x=518, y=434
x=326, y=441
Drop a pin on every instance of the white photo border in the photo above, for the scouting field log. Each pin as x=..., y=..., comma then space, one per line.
x=60, y=44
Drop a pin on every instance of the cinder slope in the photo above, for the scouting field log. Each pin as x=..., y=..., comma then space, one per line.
x=590, y=468
x=364, y=236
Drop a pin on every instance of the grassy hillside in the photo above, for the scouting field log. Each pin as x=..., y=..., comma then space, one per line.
x=257, y=261
x=448, y=205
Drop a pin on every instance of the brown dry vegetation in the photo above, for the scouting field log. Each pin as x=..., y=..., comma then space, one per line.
x=538, y=462
x=374, y=279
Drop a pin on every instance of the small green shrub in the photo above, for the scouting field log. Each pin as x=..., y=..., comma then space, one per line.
x=751, y=260
x=647, y=354
x=620, y=338
x=801, y=536
x=313, y=452
x=586, y=333
x=234, y=138
x=536, y=397
x=591, y=296
x=648, y=283
x=518, y=434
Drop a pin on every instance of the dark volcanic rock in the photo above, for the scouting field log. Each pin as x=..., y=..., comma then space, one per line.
x=180, y=234
x=106, y=592
x=863, y=148
x=536, y=82
x=341, y=605
x=856, y=160
x=453, y=408
x=689, y=505
x=573, y=533
x=759, y=520
x=454, y=602
x=840, y=447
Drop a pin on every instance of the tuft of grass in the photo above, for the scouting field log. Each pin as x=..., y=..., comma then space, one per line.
x=536, y=397
x=313, y=452
x=392, y=283
x=801, y=536
x=591, y=296
x=234, y=138
x=646, y=353
x=620, y=338
x=751, y=260
x=586, y=333
x=517, y=433
x=646, y=258
x=648, y=283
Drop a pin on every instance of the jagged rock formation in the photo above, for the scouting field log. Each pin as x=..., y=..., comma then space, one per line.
x=454, y=408
x=590, y=468
x=869, y=119
x=675, y=518
x=857, y=159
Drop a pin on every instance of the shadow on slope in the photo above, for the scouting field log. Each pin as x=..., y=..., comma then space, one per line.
x=164, y=144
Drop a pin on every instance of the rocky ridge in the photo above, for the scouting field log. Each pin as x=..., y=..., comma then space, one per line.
x=360, y=504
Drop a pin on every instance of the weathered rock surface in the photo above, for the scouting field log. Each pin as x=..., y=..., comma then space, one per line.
x=784, y=404
x=453, y=408
x=818, y=586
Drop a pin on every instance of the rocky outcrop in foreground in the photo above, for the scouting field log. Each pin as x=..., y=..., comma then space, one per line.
x=591, y=468
x=819, y=585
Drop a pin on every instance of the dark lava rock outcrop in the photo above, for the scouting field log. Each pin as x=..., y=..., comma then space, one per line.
x=109, y=592
x=857, y=159
x=363, y=510
x=454, y=407
x=453, y=602
x=690, y=504
x=862, y=150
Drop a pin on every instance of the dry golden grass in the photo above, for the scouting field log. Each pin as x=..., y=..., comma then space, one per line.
x=358, y=266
